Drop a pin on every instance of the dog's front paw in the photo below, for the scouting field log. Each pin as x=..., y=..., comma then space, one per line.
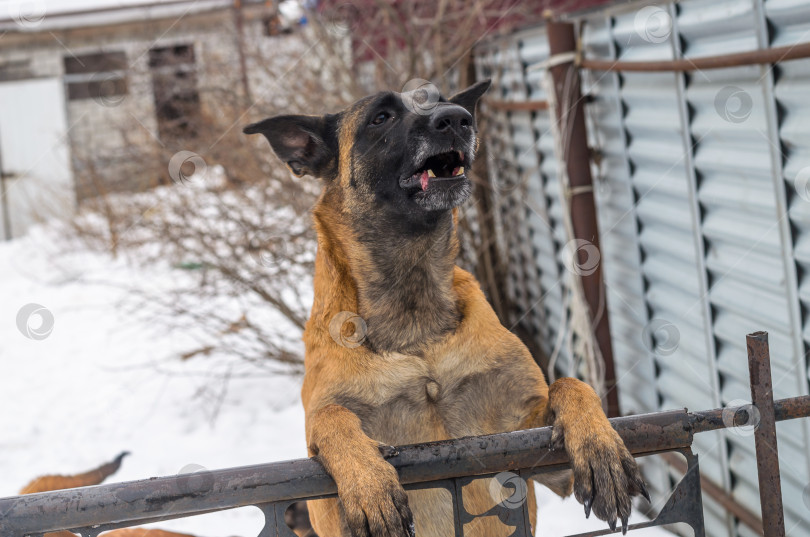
x=606, y=476
x=375, y=504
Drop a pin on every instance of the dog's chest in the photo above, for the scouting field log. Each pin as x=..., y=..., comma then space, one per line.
x=407, y=399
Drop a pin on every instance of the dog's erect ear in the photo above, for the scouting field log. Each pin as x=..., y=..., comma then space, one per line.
x=469, y=97
x=305, y=143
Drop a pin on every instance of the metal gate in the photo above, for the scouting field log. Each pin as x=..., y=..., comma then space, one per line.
x=702, y=187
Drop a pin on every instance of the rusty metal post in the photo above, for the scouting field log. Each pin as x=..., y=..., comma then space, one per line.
x=770, y=484
x=571, y=113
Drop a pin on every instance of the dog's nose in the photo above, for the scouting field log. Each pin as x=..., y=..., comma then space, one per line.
x=451, y=118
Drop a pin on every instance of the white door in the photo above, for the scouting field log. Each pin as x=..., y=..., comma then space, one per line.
x=34, y=155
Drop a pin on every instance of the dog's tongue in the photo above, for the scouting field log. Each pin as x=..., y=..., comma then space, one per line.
x=424, y=179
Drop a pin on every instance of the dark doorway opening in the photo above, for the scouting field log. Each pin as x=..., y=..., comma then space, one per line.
x=177, y=100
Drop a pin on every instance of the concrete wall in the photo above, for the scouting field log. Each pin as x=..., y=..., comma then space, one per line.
x=114, y=142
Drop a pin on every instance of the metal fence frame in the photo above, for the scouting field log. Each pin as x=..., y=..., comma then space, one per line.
x=449, y=464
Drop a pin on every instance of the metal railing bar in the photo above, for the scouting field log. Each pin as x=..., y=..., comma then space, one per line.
x=516, y=106
x=169, y=497
x=739, y=59
x=712, y=420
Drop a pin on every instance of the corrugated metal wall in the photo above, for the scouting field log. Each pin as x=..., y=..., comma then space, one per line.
x=703, y=197
x=522, y=169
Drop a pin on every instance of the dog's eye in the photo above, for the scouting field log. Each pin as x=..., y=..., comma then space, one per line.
x=380, y=118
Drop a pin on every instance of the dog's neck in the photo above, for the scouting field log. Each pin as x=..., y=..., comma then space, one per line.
x=401, y=275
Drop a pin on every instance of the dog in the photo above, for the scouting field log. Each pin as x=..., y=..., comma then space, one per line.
x=45, y=483
x=402, y=346
x=50, y=482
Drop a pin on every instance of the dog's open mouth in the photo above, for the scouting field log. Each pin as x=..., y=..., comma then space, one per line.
x=440, y=167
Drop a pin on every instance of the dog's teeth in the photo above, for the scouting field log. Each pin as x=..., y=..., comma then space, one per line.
x=461, y=156
x=458, y=171
x=431, y=173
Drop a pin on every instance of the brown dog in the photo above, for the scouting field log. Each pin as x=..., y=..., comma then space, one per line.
x=401, y=345
x=95, y=476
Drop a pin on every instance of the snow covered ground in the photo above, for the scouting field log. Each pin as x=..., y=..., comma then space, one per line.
x=105, y=381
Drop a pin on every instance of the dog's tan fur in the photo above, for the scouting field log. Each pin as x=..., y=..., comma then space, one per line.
x=438, y=364
x=95, y=476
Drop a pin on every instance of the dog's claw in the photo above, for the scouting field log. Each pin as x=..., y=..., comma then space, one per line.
x=624, y=525
x=387, y=451
x=612, y=524
x=645, y=493
x=587, y=508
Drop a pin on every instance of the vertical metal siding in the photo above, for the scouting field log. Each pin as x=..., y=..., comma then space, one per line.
x=791, y=24
x=492, y=64
x=703, y=198
x=524, y=234
x=651, y=122
x=742, y=207
x=621, y=248
x=533, y=48
x=717, y=518
x=621, y=254
x=521, y=151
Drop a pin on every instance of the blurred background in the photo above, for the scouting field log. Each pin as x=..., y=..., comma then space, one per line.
x=155, y=264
